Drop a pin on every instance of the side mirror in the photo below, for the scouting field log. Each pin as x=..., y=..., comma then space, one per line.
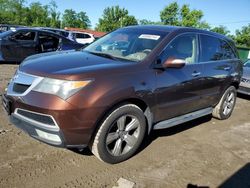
x=174, y=63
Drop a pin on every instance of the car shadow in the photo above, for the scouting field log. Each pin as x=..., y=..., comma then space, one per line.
x=9, y=63
x=172, y=131
x=241, y=178
x=242, y=96
x=156, y=134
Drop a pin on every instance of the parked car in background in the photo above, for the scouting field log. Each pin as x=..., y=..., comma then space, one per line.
x=7, y=27
x=84, y=38
x=17, y=45
x=109, y=100
x=67, y=34
x=245, y=80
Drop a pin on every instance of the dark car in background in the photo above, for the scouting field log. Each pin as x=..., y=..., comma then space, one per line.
x=109, y=98
x=245, y=80
x=7, y=27
x=16, y=45
x=67, y=34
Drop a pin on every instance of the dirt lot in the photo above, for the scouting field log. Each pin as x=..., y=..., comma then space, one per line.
x=204, y=152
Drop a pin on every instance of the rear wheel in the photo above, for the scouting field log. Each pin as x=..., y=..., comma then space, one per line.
x=120, y=134
x=224, y=108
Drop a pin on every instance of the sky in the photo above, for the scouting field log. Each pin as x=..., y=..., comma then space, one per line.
x=230, y=13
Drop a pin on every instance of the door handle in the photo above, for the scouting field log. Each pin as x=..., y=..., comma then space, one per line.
x=195, y=74
x=227, y=68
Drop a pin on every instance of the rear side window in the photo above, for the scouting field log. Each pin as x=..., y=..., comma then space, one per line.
x=228, y=53
x=214, y=49
x=82, y=36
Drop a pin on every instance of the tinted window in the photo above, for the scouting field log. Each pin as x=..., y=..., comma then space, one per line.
x=183, y=47
x=211, y=49
x=214, y=49
x=24, y=35
x=227, y=51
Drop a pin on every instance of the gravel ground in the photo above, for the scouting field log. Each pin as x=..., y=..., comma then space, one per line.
x=205, y=152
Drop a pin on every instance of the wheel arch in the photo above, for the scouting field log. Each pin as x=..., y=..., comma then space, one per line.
x=138, y=102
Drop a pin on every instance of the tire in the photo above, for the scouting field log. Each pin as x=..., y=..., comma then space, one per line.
x=224, y=108
x=120, y=134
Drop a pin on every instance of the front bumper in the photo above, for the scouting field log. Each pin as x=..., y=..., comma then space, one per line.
x=52, y=136
x=72, y=127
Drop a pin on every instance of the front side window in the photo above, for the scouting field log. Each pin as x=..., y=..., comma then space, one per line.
x=24, y=35
x=127, y=44
x=183, y=47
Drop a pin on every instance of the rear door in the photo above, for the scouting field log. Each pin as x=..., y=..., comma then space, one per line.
x=218, y=58
x=178, y=89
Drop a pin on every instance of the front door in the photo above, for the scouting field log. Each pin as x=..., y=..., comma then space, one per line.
x=178, y=89
x=20, y=45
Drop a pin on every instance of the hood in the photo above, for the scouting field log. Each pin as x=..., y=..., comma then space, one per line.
x=246, y=72
x=67, y=64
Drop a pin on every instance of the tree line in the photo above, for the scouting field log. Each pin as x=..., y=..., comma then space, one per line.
x=36, y=14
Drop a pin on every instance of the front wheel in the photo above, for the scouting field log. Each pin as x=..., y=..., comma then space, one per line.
x=224, y=108
x=120, y=134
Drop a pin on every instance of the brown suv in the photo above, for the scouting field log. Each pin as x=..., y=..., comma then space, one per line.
x=119, y=88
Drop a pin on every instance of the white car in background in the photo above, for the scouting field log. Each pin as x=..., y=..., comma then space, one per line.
x=84, y=38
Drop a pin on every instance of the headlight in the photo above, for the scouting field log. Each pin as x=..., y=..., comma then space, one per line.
x=62, y=88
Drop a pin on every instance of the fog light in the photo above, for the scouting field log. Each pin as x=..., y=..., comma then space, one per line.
x=49, y=136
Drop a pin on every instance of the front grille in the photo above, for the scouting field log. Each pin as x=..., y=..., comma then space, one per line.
x=244, y=89
x=44, y=119
x=20, y=88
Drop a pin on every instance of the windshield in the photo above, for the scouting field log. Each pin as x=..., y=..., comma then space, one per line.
x=247, y=63
x=127, y=44
x=6, y=33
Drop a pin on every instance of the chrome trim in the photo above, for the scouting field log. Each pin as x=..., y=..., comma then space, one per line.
x=243, y=92
x=23, y=78
x=182, y=119
x=37, y=123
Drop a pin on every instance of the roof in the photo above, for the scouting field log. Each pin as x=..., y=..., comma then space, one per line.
x=95, y=33
x=167, y=28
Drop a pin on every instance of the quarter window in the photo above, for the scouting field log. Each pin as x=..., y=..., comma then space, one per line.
x=183, y=47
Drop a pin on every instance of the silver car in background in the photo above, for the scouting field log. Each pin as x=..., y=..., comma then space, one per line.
x=245, y=80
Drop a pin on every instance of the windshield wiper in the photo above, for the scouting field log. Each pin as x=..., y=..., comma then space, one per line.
x=104, y=55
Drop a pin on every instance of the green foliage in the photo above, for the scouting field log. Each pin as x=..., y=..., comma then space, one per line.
x=242, y=37
x=182, y=16
x=170, y=14
x=148, y=22
x=221, y=29
x=73, y=19
x=36, y=14
x=115, y=17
